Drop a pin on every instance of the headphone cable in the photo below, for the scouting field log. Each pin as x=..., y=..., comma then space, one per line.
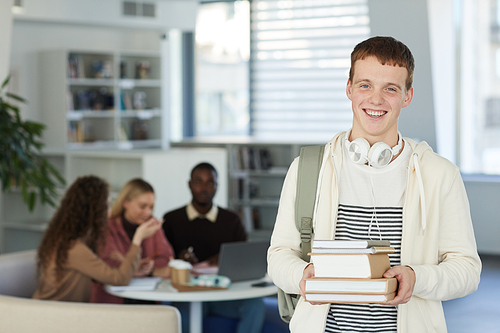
x=374, y=213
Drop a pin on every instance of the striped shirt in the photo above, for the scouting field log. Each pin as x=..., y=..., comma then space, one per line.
x=353, y=223
x=371, y=207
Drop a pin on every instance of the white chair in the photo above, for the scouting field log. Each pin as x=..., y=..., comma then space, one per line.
x=18, y=273
x=22, y=314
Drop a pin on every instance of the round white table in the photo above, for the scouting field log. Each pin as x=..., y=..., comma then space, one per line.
x=165, y=292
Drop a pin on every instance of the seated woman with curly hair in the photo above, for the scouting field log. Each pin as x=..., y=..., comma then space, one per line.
x=67, y=260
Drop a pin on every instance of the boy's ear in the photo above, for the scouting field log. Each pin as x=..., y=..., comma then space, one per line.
x=348, y=89
x=408, y=97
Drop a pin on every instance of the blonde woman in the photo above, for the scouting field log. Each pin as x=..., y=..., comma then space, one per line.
x=132, y=208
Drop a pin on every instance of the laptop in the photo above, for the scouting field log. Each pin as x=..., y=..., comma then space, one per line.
x=241, y=261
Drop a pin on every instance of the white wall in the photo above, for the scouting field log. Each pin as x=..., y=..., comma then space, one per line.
x=178, y=14
x=484, y=196
x=5, y=37
x=443, y=54
x=407, y=22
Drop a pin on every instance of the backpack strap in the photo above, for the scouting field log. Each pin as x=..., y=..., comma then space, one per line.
x=307, y=179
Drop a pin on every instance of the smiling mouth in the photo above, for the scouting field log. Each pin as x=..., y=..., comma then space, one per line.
x=375, y=113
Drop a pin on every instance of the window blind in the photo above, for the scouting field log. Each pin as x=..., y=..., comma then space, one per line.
x=300, y=59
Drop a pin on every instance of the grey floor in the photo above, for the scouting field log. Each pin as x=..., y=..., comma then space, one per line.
x=480, y=311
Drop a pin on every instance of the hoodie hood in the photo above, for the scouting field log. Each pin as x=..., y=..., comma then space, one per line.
x=333, y=149
x=418, y=152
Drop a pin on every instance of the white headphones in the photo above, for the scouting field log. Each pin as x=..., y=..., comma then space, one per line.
x=378, y=156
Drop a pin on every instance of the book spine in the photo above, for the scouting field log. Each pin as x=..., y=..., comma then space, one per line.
x=330, y=298
x=356, y=286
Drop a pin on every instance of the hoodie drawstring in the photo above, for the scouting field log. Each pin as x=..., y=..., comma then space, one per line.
x=421, y=192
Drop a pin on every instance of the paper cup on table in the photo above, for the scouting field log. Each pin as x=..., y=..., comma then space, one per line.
x=180, y=271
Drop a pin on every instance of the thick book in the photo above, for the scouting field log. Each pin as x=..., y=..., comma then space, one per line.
x=349, y=298
x=350, y=244
x=340, y=265
x=143, y=284
x=370, y=250
x=334, y=285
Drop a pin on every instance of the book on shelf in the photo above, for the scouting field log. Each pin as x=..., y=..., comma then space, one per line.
x=70, y=104
x=126, y=102
x=350, y=244
x=253, y=158
x=347, y=265
x=75, y=66
x=93, y=99
x=336, y=285
x=349, y=298
x=102, y=69
x=138, y=129
x=123, y=133
x=265, y=159
x=243, y=158
x=142, y=69
x=256, y=220
x=76, y=132
x=250, y=217
x=143, y=283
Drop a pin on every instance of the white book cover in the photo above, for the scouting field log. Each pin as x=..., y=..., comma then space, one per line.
x=370, y=250
x=349, y=244
x=379, y=286
x=349, y=298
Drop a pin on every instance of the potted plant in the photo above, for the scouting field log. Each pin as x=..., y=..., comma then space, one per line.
x=21, y=162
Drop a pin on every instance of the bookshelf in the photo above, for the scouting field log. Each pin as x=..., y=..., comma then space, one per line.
x=257, y=170
x=102, y=100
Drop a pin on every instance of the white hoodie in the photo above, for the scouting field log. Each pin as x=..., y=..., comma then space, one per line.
x=439, y=245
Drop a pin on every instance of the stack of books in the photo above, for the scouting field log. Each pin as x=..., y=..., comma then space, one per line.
x=350, y=272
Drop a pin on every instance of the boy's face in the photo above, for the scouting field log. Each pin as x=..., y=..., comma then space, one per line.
x=378, y=93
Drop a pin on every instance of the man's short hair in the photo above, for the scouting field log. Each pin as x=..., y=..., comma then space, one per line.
x=387, y=50
x=204, y=165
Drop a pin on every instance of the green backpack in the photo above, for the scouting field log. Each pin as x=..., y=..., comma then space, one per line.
x=307, y=178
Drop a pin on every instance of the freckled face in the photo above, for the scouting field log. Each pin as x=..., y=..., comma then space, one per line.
x=378, y=93
x=139, y=209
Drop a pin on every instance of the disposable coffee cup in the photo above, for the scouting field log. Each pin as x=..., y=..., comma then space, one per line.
x=180, y=271
x=180, y=276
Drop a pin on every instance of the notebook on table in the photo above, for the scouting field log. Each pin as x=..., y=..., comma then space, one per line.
x=242, y=261
x=141, y=283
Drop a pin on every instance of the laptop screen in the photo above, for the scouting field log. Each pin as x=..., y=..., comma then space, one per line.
x=241, y=261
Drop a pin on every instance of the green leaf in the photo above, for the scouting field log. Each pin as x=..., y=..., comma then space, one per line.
x=24, y=191
x=32, y=200
x=20, y=157
x=5, y=82
x=17, y=98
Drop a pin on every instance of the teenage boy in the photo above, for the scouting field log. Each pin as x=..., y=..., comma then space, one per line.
x=375, y=184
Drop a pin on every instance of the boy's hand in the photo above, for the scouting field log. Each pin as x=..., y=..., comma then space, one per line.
x=308, y=273
x=406, y=280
